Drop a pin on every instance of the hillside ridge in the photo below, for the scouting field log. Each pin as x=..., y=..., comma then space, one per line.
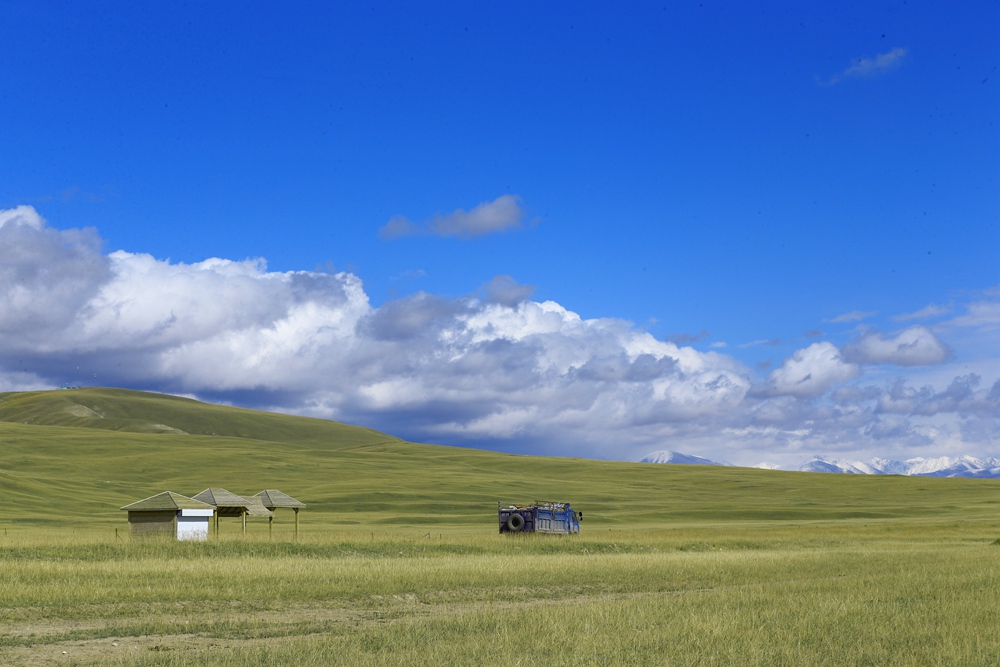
x=61, y=465
x=132, y=411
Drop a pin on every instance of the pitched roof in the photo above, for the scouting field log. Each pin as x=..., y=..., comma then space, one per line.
x=168, y=500
x=256, y=508
x=273, y=498
x=222, y=498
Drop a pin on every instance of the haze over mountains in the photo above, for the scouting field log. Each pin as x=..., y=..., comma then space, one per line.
x=943, y=466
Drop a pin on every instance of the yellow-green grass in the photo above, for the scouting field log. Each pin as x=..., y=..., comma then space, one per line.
x=838, y=593
x=399, y=560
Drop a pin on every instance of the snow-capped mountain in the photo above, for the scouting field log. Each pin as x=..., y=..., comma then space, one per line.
x=944, y=466
x=819, y=464
x=677, y=457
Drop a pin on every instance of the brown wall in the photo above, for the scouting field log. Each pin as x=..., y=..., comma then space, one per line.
x=152, y=524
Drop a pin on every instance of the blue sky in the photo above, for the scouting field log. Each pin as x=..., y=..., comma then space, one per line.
x=749, y=225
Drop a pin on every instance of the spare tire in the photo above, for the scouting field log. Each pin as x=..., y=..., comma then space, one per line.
x=515, y=523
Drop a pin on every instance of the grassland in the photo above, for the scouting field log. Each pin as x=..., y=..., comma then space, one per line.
x=399, y=562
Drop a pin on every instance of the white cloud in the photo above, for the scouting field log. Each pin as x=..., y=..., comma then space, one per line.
x=500, y=215
x=811, y=371
x=983, y=314
x=881, y=63
x=853, y=316
x=45, y=276
x=925, y=313
x=870, y=67
x=22, y=215
x=915, y=346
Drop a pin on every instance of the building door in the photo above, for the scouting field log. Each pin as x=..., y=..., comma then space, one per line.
x=192, y=528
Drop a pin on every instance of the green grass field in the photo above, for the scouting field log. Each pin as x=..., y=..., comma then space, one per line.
x=399, y=561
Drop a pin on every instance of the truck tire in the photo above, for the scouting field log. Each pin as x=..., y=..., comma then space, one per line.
x=515, y=523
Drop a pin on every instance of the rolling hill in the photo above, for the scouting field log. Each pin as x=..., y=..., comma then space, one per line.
x=73, y=457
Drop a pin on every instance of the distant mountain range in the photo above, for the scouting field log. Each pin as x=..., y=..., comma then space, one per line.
x=944, y=466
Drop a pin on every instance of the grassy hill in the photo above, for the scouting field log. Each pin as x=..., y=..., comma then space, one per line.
x=73, y=457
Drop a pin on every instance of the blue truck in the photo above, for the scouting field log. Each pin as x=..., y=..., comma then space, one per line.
x=542, y=517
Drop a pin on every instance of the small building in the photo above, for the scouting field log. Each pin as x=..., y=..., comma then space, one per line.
x=169, y=515
x=272, y=499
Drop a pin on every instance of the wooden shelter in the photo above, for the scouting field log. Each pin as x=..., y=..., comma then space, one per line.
x=272, y=499
x=229, y=504
x=169, y=514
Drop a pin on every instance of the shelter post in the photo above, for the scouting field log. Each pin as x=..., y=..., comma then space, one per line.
x=272, y=499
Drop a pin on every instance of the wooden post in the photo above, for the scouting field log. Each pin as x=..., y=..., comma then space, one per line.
x=296, y=522
x=244, y=521
x=270, y=527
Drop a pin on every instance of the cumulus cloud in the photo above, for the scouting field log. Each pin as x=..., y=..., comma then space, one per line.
x=871, y=67
x=494, y=368
x=888, y=409
x=46, y=276
x=811, y=371
x=500, y=215
x=957, y=396
x=915, y=346
x=901, y=398
x=890, y=428
x=25, y=216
